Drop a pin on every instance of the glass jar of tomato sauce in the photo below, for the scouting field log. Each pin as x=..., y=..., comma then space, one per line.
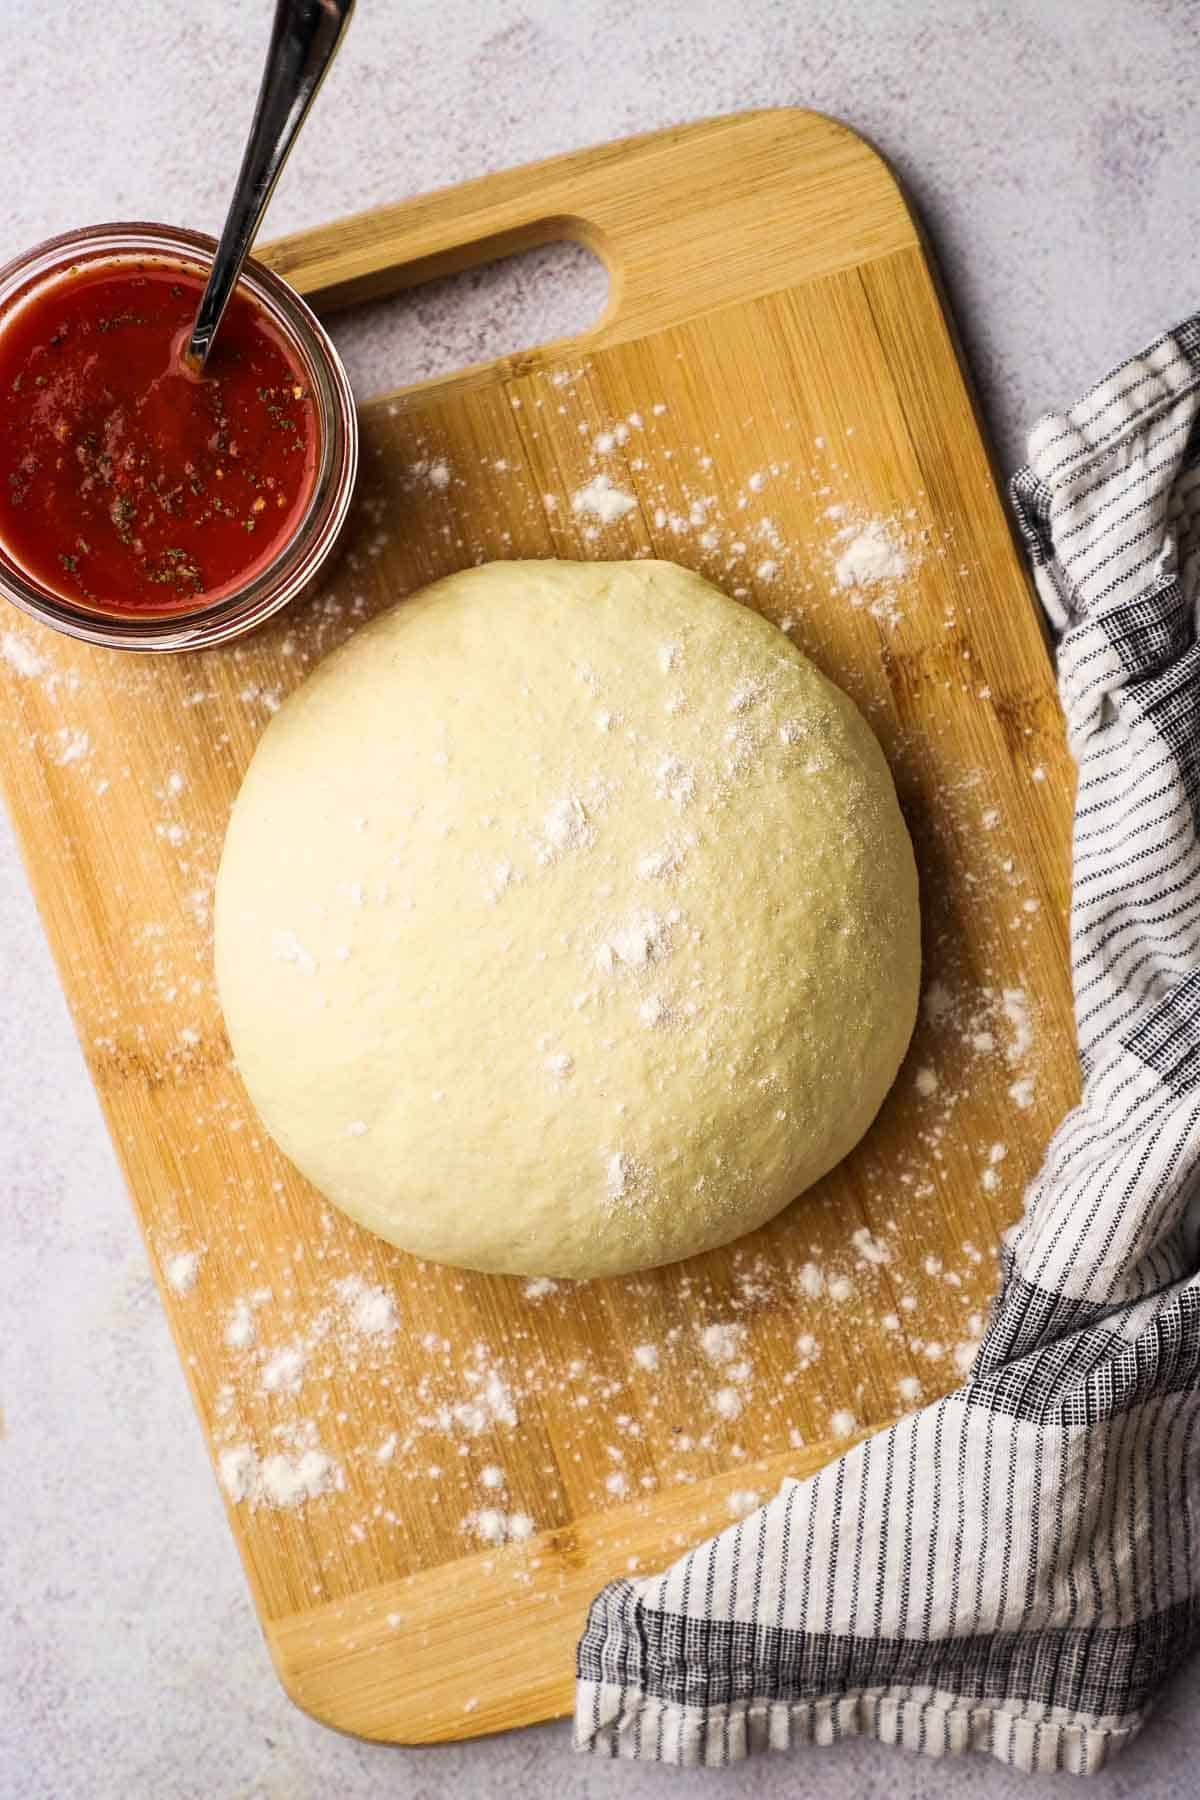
x=142, y=506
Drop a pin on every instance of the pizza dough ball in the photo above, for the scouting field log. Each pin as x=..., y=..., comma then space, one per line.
x=567, y=922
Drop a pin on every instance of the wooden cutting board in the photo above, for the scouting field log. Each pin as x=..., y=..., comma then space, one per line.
x=776, y=386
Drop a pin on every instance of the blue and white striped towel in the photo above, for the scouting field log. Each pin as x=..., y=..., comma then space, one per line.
x=1016, y=1569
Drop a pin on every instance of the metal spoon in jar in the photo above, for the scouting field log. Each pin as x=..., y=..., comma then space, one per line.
x=304, y=41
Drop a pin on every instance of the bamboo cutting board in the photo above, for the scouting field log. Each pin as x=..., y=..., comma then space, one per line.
x=459, y=1461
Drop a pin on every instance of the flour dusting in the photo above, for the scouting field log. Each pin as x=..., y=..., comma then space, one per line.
x=722, y=1343
x=283, y=1372
x=277, y=1480
x=371, y=1310
x=635, y=942
x=435, y=1406
x=20, y=655
x=1016, y=1011
x=675, y=781
x=287, y=948
x=491, y=1526
x=667, y=859
x=617, y=1174
x=539, y=1286
x=240, y=1329
x=183, y=1269
x=873, y=555
x=73, y=745
x=565, y=827
x=599, y=499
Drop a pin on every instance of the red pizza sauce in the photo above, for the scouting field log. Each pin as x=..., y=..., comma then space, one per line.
x=129, y=484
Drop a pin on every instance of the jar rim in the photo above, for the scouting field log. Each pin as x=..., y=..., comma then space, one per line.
x=295, y=567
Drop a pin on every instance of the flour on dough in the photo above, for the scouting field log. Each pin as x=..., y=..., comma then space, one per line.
x=522, y=994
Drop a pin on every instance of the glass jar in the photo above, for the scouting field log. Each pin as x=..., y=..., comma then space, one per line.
x=297, y=564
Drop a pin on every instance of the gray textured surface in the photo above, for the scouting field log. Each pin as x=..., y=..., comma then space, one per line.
x=1051, y=151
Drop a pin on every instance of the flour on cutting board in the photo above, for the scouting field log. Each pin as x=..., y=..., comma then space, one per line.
x=20, y=654
x=183, y=1268
x=599, y=499
x=308, y=1324
x=369, y=1310
x=870, y=555
x=277, y=1479
x=290, y=1346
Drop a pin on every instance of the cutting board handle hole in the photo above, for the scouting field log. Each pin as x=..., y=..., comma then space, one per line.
x=516, y=303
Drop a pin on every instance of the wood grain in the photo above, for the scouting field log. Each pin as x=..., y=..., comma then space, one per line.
x=774, y=350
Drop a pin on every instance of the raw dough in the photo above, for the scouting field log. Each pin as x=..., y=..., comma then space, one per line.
x=567, y=922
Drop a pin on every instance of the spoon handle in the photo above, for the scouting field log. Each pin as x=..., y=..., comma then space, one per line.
x=304, y=41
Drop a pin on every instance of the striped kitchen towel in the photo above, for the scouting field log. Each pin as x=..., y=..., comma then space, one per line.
x=1016, y=1569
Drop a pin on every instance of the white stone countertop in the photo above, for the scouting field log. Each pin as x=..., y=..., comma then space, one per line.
x=1050, y=147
